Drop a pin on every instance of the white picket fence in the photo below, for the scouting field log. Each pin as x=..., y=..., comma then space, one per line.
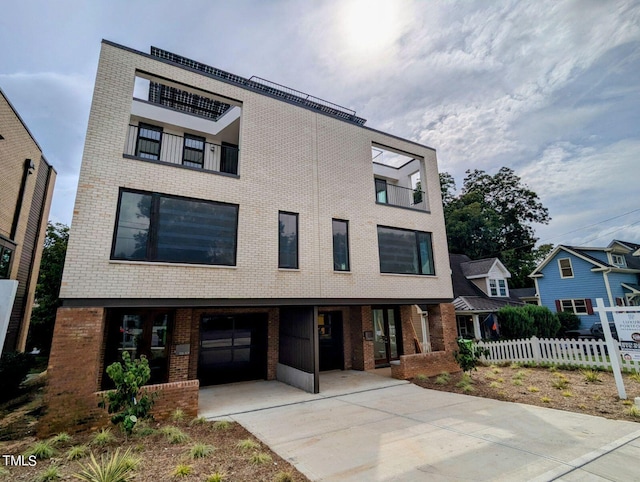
x=585, y=353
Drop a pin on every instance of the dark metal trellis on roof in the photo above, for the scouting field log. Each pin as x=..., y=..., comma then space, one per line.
x=264, y=86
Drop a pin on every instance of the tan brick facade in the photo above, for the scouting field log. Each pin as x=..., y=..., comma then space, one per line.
x=291, y=159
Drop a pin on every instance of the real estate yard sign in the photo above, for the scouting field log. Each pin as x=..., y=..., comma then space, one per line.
x=8, y=290
x=628, y=327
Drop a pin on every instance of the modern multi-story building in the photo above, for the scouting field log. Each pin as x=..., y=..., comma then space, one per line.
x=26, y=188
x=233, y=229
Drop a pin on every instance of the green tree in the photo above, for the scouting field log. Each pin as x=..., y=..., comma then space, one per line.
x=492, y=217
x=47, y=294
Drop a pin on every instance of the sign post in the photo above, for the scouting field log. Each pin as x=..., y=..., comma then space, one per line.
x=611, y=347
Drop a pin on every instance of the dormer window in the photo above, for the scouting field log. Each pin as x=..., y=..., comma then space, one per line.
x=498, y=287
x=618, y=260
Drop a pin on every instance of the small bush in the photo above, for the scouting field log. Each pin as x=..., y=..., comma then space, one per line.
x=545, y=400
x=283, y=477
x=633, y=411
x=127, y=403
x=174, y=435
x=494, y=385
x=4, y=472
x=443, y=378
x=103, y=437
x=247, y=444
x=61, y=438
x=215, y=477
x=568, y=321
x=178, y=415
x=635, y=377
x=222, y=425
x=560, y=383
x=42, y=450
x=533, y=389
x=421, y=377
x=627, y=402
x=490, y=376
x=468, y=388
x=495, y=370
x=567, y=394
x=50, y=474
x=260, y=458
x=468, y=355
x=517, y=382
x=553, y=368
x=198, y=421
x=591, y=376
x=77, y=452
x=181, y=470
x=200, y=451
x=117, y=467
x=14, y=367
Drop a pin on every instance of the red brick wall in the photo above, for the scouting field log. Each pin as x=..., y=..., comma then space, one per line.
x=428, y=364
x=74, y=369
x=181, y=395
x=408, y=333
x=361, y=320
x=179, y=365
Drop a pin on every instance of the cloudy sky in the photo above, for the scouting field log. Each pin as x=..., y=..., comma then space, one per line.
x=548, y=88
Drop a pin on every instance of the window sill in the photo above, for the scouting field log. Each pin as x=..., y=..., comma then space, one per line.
x=179, y=265
x=410, y=275
x=294, y=270
x=342, y=272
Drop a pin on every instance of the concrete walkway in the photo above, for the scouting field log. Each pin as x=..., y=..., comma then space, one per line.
x=385, y=429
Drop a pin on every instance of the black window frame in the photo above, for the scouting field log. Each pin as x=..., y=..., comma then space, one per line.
x=6, y=245
x=348, y=251
x=185, y=149
x=139, y=136
x=152, y=238
x=297, y=244
x=417, y=247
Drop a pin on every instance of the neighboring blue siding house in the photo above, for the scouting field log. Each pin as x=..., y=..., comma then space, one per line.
x=571, y=278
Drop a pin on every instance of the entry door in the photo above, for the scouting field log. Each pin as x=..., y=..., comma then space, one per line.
x=330, y=341
x=386, y=341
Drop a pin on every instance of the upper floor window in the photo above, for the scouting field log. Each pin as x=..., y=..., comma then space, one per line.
x=149, y=141
x=566, y=270
x=618, y=260
x=340, y=245
x=498, y=287
x=159, y=227
x=404, y=251
x=287, y=240
x=6, y=256
x=193, y=151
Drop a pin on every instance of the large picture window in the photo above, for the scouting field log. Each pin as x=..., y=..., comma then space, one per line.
x=404, y=251
x=287, y=240
x=340, y=245
x=158, y=227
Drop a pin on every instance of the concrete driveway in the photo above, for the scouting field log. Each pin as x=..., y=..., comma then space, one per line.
x=397, y=431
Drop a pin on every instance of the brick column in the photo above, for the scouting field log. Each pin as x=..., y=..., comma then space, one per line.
x=361, y=320
x=74, y=367
x=179, y=364
x=273, y=342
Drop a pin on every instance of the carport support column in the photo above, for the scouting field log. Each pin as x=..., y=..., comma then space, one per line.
x=361, y=321
x=477, y=334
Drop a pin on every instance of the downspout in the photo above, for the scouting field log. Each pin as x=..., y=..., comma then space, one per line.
x=606, y=284
x=27, y=169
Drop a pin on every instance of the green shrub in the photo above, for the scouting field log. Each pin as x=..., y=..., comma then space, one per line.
x=103, y=437
x=174, y=435
x=126, y=402
x=260, y=458
x=77, y=452
x=468, y=355
x=115, y=468
x=14, y=367
x=568, y=321
x=515, y=323
x=222, y=425
x=42, y=450
x=215, y=477
x=283, y=477
x=181, y=470
x=591, y=376
x=247, y=444
x=50, y=474
x=199, y=421
x=200, y=451
x=178, y=415
x=61, y=438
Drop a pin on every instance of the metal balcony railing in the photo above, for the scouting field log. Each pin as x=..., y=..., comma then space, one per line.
x=400, y=196
x=150, y=143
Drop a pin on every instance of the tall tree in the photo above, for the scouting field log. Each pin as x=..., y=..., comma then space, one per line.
x=492, y=217
x=47, y=295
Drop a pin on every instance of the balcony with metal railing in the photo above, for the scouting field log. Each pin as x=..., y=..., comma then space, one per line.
x=394, y=195
x=150, y=143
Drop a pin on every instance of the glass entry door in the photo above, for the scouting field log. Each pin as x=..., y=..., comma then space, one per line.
x=386, y=341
